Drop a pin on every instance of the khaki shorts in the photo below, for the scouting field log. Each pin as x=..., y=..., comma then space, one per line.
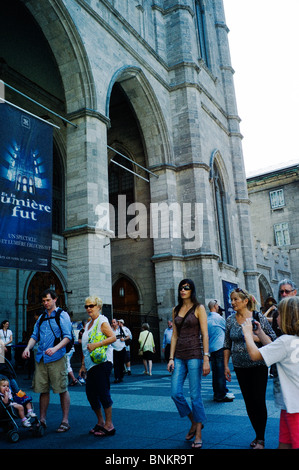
x=52, y=373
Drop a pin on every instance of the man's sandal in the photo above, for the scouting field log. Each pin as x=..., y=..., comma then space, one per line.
x=63, y=427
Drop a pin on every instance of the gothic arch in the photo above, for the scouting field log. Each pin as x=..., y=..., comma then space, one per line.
x=69, y=52
x=216, y=158
x=219, y=180
x=34, y=286
x=128, y=279
x=148, y=113
x=265, y=288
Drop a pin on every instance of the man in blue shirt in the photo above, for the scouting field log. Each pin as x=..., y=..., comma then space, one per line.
x=216, y=330
x=50, y=359
x=167, y=340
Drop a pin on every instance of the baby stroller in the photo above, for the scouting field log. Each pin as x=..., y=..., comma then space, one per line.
x=8, y=415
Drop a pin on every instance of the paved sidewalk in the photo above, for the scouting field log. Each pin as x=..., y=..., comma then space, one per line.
x=145, y=417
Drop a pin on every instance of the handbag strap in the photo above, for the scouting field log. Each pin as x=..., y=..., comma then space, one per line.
x=145, y=341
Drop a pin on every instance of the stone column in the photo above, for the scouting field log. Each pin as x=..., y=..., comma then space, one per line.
x=89, y=264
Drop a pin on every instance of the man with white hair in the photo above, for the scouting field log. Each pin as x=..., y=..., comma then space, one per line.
x=286, y=288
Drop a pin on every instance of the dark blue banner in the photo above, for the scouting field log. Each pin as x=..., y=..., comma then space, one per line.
x=26, y=156
x=228, y=287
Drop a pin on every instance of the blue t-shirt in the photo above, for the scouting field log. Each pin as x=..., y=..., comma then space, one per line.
x=43, y=334
x=216, y=331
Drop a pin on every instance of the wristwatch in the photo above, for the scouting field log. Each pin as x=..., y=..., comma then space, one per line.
x=207, y=354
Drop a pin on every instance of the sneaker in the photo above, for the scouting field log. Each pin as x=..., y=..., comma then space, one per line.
x=31, y=414
x=26, y=423
x=230, y=395
x=81, y=380
x=223, y=400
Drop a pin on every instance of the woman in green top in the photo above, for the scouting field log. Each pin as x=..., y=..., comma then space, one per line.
x=147, y=346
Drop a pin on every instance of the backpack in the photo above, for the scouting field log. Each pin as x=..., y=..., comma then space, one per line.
x=44, y=317
x=122, y=335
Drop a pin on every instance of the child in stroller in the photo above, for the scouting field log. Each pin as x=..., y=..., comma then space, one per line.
x=8, y=412
x=20, y=402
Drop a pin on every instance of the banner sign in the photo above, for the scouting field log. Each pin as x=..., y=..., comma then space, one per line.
x=26, y=160
x=228, y=287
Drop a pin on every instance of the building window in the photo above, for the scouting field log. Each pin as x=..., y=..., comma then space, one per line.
x=282, y=234
x=201, y=28
x=277, y=199
x=221, y=213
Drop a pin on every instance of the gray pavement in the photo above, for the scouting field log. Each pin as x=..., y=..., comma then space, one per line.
x=146, y=418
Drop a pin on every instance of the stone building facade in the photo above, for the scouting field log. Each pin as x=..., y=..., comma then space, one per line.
x=150, y=80
x=274, y=197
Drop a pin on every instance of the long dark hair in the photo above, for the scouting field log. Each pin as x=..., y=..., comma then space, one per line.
x=193, y=295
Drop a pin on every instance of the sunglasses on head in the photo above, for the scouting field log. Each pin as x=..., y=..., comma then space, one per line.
x=185, y=288
x=89, y=306
x=238, y=289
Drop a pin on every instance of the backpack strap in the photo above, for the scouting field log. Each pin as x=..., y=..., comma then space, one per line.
x=44, y=317
x=57, y=318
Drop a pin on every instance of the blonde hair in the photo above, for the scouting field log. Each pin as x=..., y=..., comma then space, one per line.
x=243, y=294
x=93, y=299
x=289, y=315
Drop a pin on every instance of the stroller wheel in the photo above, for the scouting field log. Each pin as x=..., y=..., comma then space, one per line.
x=13, y=436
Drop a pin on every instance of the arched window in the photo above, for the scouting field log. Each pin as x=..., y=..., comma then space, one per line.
x=121, y=183
x=201, y=28
x=221, y=215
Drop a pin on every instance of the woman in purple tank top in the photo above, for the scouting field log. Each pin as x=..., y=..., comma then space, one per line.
x=189, y=355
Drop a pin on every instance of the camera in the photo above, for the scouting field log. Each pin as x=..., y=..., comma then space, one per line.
x=254, y=325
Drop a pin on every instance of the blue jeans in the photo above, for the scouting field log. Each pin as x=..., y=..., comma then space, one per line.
x=193, y=367
x=219, y=380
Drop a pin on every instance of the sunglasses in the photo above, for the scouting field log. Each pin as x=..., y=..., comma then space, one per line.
x=238, y=289
x=185, y=288
x=286, y=291
x=89, y=306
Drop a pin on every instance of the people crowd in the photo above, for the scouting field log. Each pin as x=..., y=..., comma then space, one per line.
x=254, y=344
